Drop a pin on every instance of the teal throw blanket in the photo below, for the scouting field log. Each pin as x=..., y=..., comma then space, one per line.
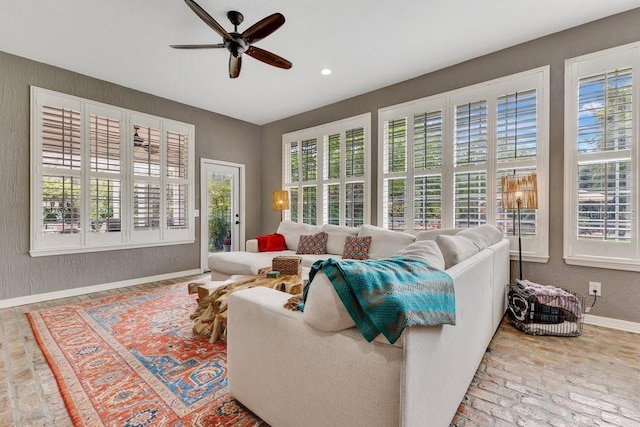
x=387, y=295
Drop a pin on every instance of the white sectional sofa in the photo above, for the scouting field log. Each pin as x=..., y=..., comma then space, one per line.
x=384, y=243
x=296, y=368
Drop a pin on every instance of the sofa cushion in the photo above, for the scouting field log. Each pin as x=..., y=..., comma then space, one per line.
x=385, y=243
x=323, y=308
x=337, y=235
x=292, y=231
x=231, y=263
x=432, y=234
x=455, y=249
x=271, y=242
x=313, y=244
x=425, y=250
x=483, y=235
x=356, y=247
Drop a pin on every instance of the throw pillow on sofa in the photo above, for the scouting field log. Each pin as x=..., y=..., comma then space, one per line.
x=323, y=308
x=425, y=250
x=455, y=249
x=483, y=235
x=385, y=243
x=271, y=242
x=315, y=244
x=292, y=231
x=336, y=236
x=356, y=247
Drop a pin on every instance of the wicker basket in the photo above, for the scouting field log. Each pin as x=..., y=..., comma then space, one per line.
x=290, y=265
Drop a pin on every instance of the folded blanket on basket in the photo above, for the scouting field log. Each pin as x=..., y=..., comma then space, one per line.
x=387, y=295
x=553, y=297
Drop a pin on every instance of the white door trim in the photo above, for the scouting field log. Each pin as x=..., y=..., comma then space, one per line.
x=204, y=250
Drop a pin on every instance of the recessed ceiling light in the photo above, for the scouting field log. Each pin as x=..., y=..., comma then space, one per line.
x=325, y=71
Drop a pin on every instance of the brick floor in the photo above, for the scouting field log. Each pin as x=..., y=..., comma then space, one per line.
x=591, y=380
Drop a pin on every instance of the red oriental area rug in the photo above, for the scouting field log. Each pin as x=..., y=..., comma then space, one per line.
x=132, y=360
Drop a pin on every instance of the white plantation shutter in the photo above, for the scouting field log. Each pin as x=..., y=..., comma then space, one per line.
x=147, y=180
x=447, y=152
x=354, y=209
x=293, y=204
x=105, y=175
x=325, y=170
x=470, y=199
x=355, y=165
x=601, y=160
x=177, y=201
x=309, y=205
x=516, y=126
x=332, y=203
x=107, y=178
x=605, y=186
x=394, y=188
x=332, y=144
x=428, y=156
x=470, y=164
x=395, y=145
x=471, y=133
x=309, y=159
x=427, y=202
x=146, y=206
x=516, y=152
x=355, y=174
x=61, y=159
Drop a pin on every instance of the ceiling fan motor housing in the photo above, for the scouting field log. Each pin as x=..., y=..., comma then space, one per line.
x=237, y=46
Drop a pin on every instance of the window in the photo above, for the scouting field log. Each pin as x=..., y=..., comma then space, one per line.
x=602, y=160
x=107, y=178
x=442, y=158
x=325, y=170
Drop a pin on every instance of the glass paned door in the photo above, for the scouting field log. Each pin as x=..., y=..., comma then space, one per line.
x=220, y=207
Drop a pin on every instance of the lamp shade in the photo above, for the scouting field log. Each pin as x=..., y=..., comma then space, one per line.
x=280, y=200
x=519, y=191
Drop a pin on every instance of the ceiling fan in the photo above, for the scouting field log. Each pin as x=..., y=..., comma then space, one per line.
x=239, y=43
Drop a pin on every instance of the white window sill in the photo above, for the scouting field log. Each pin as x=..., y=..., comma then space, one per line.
x=611, y=263
x=85, y=249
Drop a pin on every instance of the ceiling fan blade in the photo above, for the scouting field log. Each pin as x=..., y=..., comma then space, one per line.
x=268, y=57
x=198, y=46
x=263, y=28
x=208, y=19
x=235, y=62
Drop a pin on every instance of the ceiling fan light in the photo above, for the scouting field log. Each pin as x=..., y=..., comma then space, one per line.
x=325, y=71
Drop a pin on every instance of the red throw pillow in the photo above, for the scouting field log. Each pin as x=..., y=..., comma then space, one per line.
x=271, y=242
x=356, y=247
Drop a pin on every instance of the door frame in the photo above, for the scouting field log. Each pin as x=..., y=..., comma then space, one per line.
x=204, y=226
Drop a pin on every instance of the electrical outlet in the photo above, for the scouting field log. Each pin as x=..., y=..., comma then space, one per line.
x=595, y=288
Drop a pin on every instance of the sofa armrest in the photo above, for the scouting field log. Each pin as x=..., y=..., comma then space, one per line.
x=272, y=353
x=252, y=246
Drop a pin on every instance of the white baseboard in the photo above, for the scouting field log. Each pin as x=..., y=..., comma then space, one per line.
x=607, y=322
x=13, y=302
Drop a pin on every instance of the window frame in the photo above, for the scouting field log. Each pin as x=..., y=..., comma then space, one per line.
x=600, y=253
x=319, y=133
x=127, y=237
x=533, y=249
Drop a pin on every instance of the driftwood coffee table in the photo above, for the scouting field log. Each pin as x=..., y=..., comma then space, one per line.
x=210, y=317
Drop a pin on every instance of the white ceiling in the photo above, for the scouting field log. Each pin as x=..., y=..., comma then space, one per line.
x=368, y=44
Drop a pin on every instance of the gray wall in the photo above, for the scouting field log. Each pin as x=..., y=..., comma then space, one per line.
x=621, y=290
x=217, y=137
